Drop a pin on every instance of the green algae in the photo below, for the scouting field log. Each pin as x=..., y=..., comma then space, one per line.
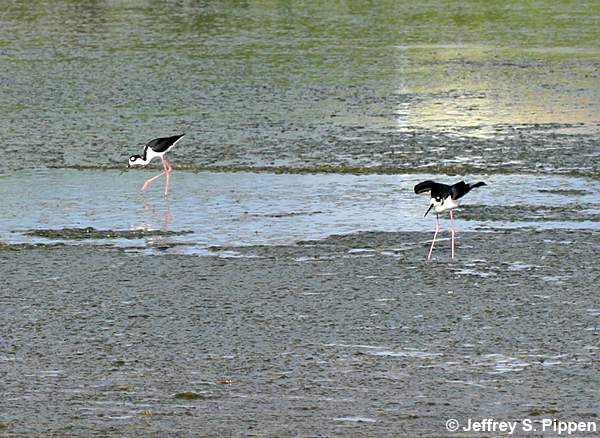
x=27, y=246
x=326, y=169
x=564, y=192
x=534, y=213
x=538, y=412
x=191, y=395
x=92, y=233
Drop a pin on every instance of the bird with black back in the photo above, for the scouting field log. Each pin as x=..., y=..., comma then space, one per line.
x=156, y=148
x=444, y=198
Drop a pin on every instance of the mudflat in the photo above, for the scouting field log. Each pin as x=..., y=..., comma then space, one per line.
x=354, y=335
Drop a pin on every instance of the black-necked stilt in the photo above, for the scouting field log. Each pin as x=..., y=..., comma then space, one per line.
x=156, y=148
x=444, y=197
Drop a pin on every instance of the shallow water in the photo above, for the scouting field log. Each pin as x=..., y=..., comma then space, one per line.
x=238, y=209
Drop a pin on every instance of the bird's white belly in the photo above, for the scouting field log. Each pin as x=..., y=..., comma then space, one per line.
x=444, y=205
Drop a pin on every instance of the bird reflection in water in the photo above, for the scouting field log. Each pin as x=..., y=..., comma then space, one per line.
x=157, y=218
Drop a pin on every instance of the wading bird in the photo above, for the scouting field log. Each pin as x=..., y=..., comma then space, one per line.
x=444, y=197
x=156, y=148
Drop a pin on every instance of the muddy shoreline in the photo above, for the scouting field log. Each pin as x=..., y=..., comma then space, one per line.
x=349, y=335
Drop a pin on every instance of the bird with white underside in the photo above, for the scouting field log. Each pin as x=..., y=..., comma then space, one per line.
x=444, y=198
x=156, y=148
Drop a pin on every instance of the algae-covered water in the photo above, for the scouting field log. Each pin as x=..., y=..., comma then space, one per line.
x=292, y=296
x=441, y=85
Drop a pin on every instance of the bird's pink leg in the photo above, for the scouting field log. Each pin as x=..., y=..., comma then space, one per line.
x=437, y=230
x=453, y=232
x=168, y=170
x=151, y=180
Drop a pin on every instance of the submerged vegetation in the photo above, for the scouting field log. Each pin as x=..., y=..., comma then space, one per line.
x=449, y=169
x=92, y=233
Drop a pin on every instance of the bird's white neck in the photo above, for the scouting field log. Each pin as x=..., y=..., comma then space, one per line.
x=141, y=162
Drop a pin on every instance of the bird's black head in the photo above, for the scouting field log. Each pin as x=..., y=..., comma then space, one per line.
x=134, y=160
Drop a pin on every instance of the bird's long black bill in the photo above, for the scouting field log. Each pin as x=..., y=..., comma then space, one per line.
x=428, y=210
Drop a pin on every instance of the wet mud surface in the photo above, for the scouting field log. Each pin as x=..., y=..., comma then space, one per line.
x=351, y=335
x=533, y=213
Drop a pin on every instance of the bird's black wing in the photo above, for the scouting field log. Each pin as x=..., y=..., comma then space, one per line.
x=437, y=189
x=163, y=143
x=461, y=188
